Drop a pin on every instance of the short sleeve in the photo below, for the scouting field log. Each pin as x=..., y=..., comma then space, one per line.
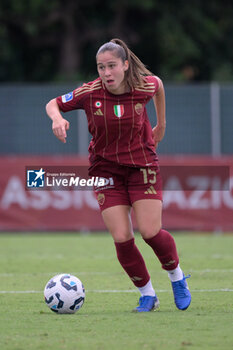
x=76, y=99
x=153, y=81
x=69, y=101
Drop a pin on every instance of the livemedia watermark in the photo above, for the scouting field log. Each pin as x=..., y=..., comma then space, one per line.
x=64, y=178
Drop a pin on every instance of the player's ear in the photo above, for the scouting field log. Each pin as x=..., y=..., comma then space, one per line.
x=126, y=65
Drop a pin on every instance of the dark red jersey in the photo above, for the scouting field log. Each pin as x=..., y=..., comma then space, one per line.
x=119, y=125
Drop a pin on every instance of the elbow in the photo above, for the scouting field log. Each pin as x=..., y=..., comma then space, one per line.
x=47, y=106
x=51, y=104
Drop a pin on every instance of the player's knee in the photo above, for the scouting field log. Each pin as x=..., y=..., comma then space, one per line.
x=148, y=231
x=122, y=235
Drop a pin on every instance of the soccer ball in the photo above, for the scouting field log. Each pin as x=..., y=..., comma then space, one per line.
x=64, y=294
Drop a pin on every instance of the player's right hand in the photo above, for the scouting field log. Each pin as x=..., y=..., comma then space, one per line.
x=59, y=128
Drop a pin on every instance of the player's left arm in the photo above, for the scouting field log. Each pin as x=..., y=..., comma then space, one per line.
x=160, y=107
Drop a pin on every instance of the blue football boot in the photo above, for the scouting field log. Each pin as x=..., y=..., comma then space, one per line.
x=182, y=295
x=147, y=303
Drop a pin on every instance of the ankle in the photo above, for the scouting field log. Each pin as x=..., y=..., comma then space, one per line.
x=176, y=274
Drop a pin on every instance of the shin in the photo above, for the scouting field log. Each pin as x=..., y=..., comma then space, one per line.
x=132, y=262
x=163, y=244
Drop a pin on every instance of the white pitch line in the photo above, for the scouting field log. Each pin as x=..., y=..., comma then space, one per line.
x=96, y=273
x=157, y=290
x=20, y=292
x=212, y=271
x=117, y=291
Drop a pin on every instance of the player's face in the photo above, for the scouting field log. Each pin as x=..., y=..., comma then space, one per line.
x=112, y=70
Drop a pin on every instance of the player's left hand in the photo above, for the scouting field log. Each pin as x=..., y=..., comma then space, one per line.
x=158, y=133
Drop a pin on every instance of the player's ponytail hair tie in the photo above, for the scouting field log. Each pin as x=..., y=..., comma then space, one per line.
x=137, y=70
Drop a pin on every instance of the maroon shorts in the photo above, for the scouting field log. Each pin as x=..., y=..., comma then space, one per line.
x=123, y=185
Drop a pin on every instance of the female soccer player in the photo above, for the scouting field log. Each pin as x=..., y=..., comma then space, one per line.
x=123, y=149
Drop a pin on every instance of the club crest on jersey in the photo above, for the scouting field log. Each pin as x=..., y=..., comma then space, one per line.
x=118, y=110
x=138, y=108
x=67, y=97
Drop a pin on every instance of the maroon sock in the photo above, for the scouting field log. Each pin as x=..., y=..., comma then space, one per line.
x=132, y=262
x=164, y=246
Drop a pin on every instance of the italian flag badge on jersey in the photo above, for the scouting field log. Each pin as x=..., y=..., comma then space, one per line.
x=118, y=110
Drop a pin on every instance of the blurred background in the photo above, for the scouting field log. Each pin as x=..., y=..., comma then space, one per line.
x=49, y=48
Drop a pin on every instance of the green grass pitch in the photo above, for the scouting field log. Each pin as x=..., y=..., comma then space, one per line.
x=105, y=321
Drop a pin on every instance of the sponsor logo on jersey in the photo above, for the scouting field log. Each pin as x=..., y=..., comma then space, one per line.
x=98, y=112
x=67, y=97
x=118, y=110
x=138, y=108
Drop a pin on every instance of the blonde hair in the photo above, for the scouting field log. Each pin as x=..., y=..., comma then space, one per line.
x=136, y=72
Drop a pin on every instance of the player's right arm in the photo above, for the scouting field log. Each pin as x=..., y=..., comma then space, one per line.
x=59, y=125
